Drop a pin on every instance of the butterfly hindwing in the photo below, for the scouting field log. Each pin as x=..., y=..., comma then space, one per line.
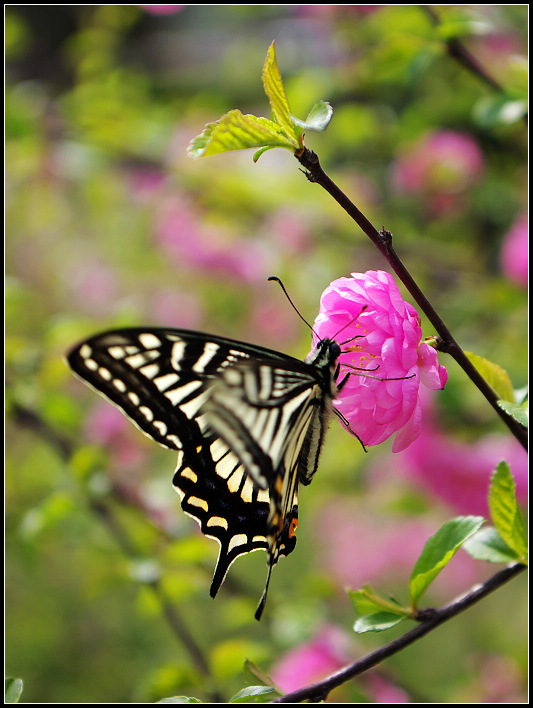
x=163, y=379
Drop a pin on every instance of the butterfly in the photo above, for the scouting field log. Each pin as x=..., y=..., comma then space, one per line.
x=247, y=424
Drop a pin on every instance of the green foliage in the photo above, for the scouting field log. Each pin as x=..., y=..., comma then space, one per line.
x=504, y=511
x=235, y=131
x=438, y=552
x=495, y=376
x=519, y=411
x=12, y=690
x=379, y=614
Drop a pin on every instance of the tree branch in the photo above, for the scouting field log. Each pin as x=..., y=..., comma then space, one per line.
x=27, y=418
x=383, y=242
x=318, y=691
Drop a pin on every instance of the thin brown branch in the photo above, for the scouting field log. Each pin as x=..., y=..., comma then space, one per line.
x=460, y=53
x=319, y=691
x=31, y=420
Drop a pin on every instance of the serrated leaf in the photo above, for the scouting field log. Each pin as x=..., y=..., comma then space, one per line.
x=488, y=545
x=13, y=690
x=318, y=119
x=255, y=694
x=504, y=510
x=438, y=552
x=275, y=91
x=494, y=375
x=519, y=412
x=237, y=131
x=377, y=622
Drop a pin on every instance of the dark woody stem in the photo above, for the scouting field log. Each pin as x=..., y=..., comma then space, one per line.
x=383, y=242
x=429, y=620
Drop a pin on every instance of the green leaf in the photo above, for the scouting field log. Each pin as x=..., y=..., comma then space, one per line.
x=236, y=131
x=439, y=550
x=494, y=375
x=318, y=118
x=255, y=694
x=180, y=699
x=488, y=545
x=252, y=671
x=13, y=689
x=367, y=602
x=275, y=91
x=504, y=510
x=520, y=412
x=377, y=622
x=497, y=111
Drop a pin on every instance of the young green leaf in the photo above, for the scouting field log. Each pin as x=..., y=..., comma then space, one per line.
x=439, y=550
x=253, y=672
x=275, y=91
x=519, y=412
x=255, y=694
x=494, y=375
x=237, y=131
x=318, y=118
x=488, y=545
x=504, y=510
x=180, y=699
x=13, y=690
x=366, y=602
x=377, y=622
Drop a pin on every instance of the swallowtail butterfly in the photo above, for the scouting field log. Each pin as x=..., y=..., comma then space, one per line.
x=247, y=423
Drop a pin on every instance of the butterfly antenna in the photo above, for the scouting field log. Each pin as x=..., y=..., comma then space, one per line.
x=275, y=277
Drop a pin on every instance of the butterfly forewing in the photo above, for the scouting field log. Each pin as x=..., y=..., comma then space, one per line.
x=247, y=422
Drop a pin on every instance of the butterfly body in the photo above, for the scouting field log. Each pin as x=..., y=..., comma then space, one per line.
x=247, y=422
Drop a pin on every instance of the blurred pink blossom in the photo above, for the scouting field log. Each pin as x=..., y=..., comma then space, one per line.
x=359, y=545
x=161, y=9
x=323, y=11
x=289, y=229
x=93, y=285
x=514, y=256
x=309, y=662
x=459, y=473
x=501, y=682
x=385, y=340
x=383, y=691
x=439, y=167
x=172, y=308
x=145, y=182
x=181, y=234
x=108, y=427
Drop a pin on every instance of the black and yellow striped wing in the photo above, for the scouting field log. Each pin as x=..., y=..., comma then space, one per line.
x=247, y=423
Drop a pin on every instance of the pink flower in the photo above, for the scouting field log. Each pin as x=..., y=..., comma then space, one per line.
x=441, y=166
x=514, y=254
x=379, y=333
x=309, y=662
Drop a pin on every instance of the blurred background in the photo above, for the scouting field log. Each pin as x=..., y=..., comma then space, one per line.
x=109, y=223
